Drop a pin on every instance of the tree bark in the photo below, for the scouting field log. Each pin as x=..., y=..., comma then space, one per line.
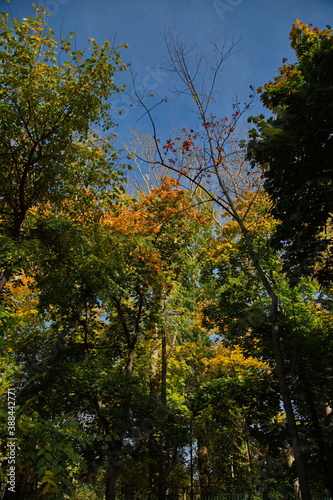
x=114, y=460
x=5, y=277
x=290, y=459
x=161, y=464
x=204, y=476
x=153, y=389
x=285, y=393
x=284, y=389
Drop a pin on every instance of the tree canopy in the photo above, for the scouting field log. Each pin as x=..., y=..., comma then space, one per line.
x=295, y=147
x=53, y=98
x=149, y=331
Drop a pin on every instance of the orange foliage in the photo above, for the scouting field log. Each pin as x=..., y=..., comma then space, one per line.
x=187, y=145
x=163, y=205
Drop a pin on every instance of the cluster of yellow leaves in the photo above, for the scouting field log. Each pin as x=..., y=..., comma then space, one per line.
x=220, y=360
x=233, y=361
x=288, y=79
x=304, y=40
x=221, y=248
x=20, y=300
x=197, y=318
x=47, y=482
x=254, y=211
x=302, y=32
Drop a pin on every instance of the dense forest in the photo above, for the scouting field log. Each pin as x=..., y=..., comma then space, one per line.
x=166, y=307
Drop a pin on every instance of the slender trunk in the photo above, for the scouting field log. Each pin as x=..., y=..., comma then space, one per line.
x=128, y=389
x=153, y=379
x=285, y=393
x=129, y=371
x=161, y=480
x=191, y=459
x=290, y=459
x=249, y=456
x=204, y=476
x=110, y=485
x=292, y=428
x=164, y=371
x=161, y=464
x=153, y=388
x=202, y=445
x=5, y=277
x=114, y=460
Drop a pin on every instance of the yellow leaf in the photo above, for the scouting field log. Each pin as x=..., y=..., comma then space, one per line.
x=46, y=489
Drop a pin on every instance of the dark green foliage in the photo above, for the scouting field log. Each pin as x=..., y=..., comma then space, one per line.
x=295, y=149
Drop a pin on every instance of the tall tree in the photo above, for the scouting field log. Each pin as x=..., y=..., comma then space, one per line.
x=57, y=176
x=207, y=158
x=115, y=278
x=294, y=148
x=239, y=308
x=51, y=96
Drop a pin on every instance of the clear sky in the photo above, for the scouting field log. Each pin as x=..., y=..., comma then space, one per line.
x=262, y=26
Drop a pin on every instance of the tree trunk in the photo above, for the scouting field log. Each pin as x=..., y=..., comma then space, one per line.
x=161, y=464
x=164, y=371
x=111, y=479
x=114, y=461
x=285, y=393
x=153, y=379
x=290, y=459
x=249, y=456
x=153, y=389
x=161, y=480
x=204, y=476
x=4, y=278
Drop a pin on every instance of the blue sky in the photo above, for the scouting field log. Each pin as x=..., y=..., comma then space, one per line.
x=262, y=26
